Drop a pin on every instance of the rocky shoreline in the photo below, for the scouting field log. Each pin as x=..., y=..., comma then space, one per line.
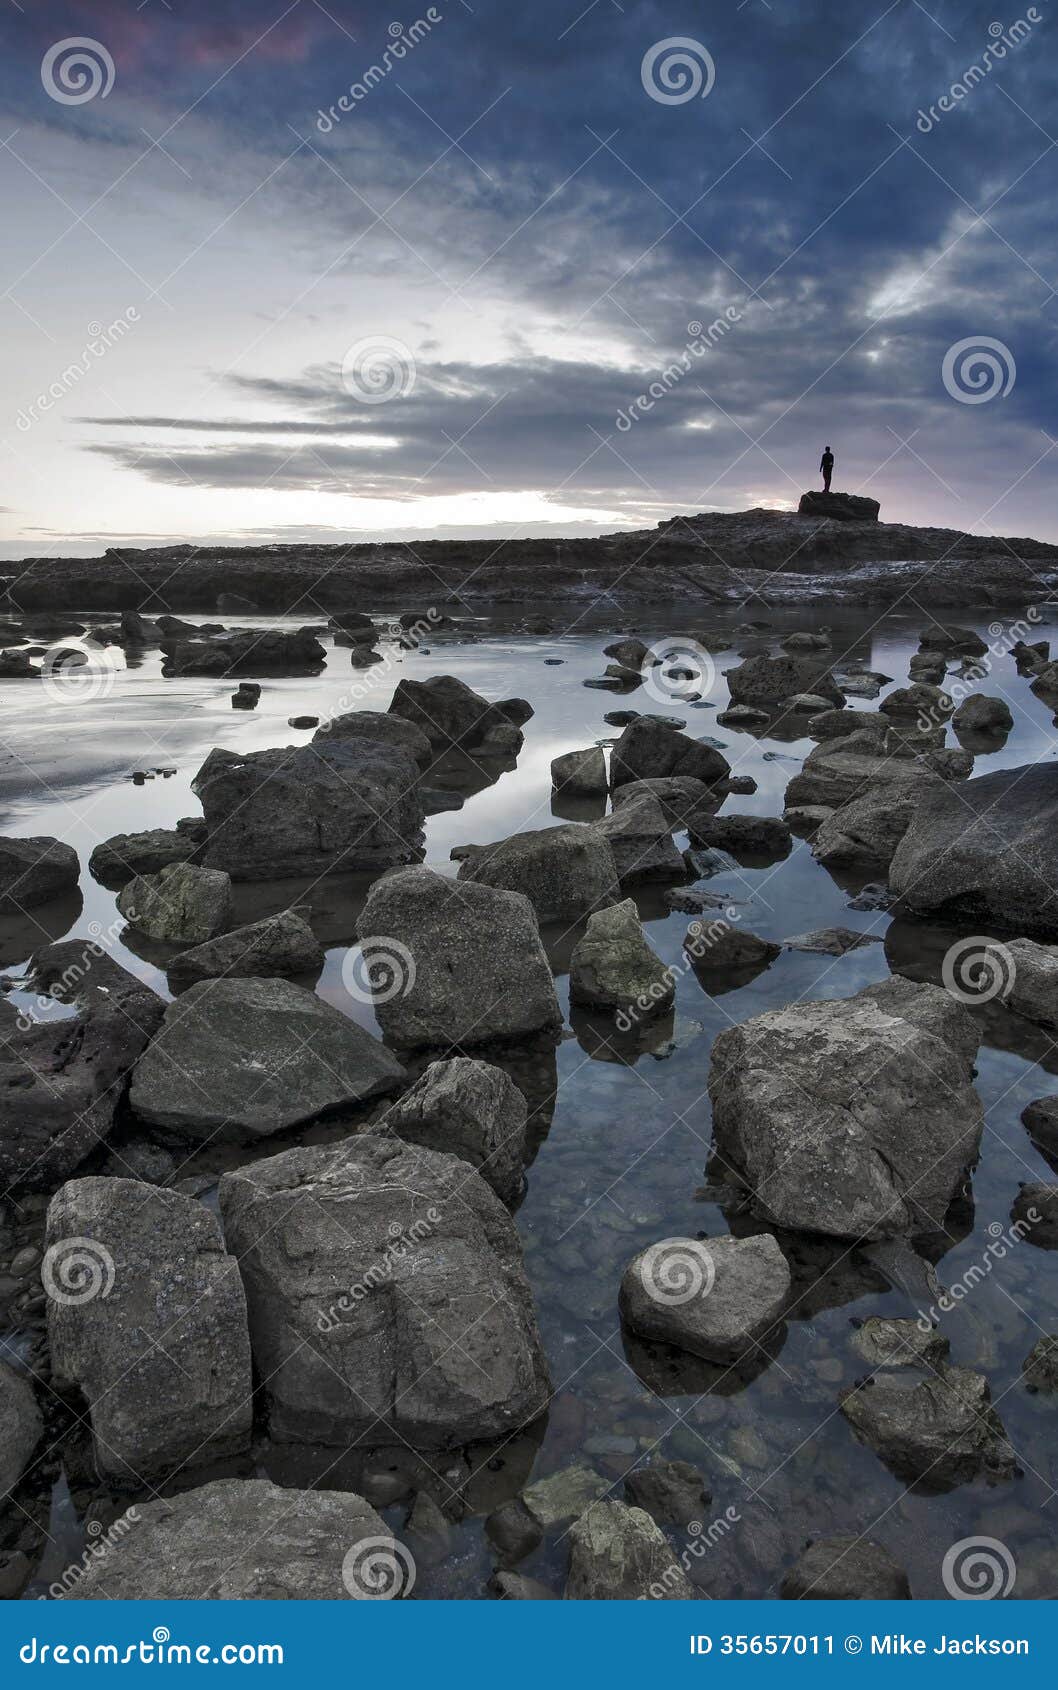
x=757, y=557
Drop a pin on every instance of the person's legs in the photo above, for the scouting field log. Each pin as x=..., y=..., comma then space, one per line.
x=826, y=480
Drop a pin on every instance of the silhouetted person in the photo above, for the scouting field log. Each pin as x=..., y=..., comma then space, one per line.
x=826, y=465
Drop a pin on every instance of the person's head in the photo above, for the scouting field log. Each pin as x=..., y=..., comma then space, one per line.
x=826, y=448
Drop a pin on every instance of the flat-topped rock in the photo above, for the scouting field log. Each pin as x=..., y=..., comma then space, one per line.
x=566, y=872
x=839, y=507
x=34, y=870
x=717, y=1297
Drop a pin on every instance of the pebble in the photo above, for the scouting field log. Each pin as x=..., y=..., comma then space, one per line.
x=26, y=1259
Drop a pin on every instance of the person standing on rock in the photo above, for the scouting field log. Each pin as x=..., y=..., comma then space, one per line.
x=826, y=466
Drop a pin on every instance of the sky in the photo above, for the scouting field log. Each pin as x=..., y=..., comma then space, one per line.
x=301, y=271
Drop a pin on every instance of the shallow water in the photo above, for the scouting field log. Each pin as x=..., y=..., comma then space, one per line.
x=625, y=1138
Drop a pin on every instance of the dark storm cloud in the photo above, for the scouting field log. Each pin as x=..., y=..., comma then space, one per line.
x=517, y=158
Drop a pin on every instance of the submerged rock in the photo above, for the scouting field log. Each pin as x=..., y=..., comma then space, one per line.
x=147, y=1322
x=820, y=1150
x=1035, y=1208
x=21, y=1428
x=1040, y=1367
x=562, y=1497
x=386, y=1296
x=884, y=1342
x=672, y=1492
x=477, y=970
x=846, y=1569
x=618, y=1554
x=566, y=872
x=469, y=1109
x=717, y=1297
x=832, y=941
x=34, y=870
x=246, y=1058
x=245, y=1540
x=941, y=1429
x=341, y=805
x=180, y=905
x=614, y=967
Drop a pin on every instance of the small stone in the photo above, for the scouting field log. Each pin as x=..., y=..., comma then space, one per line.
x=513, y=1532
x=671, y=1492
x=563, y=1496
x=1040, y=1367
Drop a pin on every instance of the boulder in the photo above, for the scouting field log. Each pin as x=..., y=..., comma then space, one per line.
x=277, y=945
x=742, y=716
x=478, y=971
x=839, y=770
x=884, y=1342
x=838, y=724
x=580, y=774
x=1041, y=1119
x=768, y=680
x=1040, y=1367
x=614, y=968
x=720, y=1298
x=951, y=640
x=618, y=1554
x=846, y=1569
x=565, y=872
x=672, y=1492
x=918, y=702
x=988, y=852
x=180, y=905
x=1035, y=1208
x=802, y=641
x=983, y=715
x=866, y=831
x=678, y=795
x=714, y=944
x=630, y=653
x=252, y=651
x=379, y=728
x=1026, y=976
x=941, y=1428
x=820, y=1149
x=247, y=1540
x=469, y=1109
x=129, y=854
x=804, y=704
x=562, y=1497
x=447, y=711
x=648, y=748
x=147, y=1323
x=21, y=1428
x=392, y=1302
x=34, y=870
x=246, y=1058
x=839, y=507
x=61, y=1081
x=16, y=666
x=743, y=835
x=640, y=836
x=344, y=805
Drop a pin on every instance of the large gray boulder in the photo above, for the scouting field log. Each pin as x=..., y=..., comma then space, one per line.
x=580, y=774
x=618, y=1554
x=245, y=1540
x=180, y=905
x=678, y=795
x=853, y=1117
x=640, y=836
x=476, y=970
x=245, y=1058
x=61, y=1081
x=147, y=1323
x=379, y=728
x=614, y=968
x=986, y=852
x=839, y=770
x=648, y=750
x=1026, y=975
x=386, y=1296
x=939, y=1427
x=275, y=946
x=983, y=714
x=342, y=805
x=720, y=1298
x=21, y=1428
x=770, y=680
x=34, y=870
x=469, y=1109
x=867, y=830
x=446, y=710
x=126, y=855
x=565, y=872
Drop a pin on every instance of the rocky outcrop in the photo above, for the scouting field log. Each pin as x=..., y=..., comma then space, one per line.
x=618, y=1554
x=468, y=1109
x=34, y=870
x=247, y=1058
x=822, y=1150
x=276, y=946
x=941, y=1428
x=180, y=905
x=254, y=651
x=386, y=1296
x=566, y=872
x=245, y=1540
x=147, y=1323
x=720, y=1298
x=344, y=805
x=988, y=852
x=473, y=966
x=839, y=507
x=613, y=967
x=61, y=1081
